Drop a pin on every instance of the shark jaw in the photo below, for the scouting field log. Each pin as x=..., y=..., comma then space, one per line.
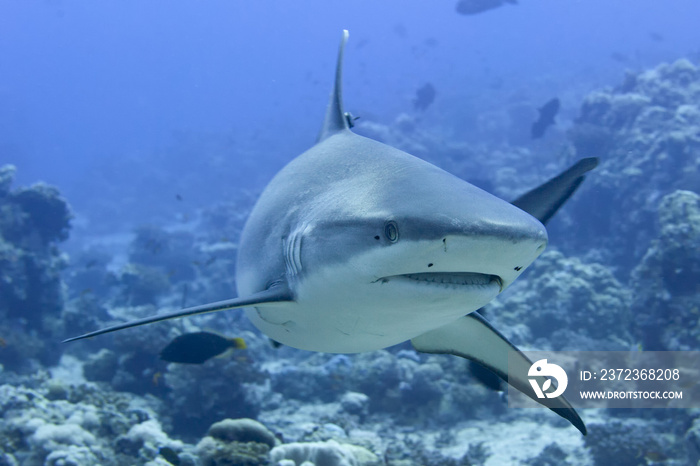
x=388, y=295
x=450, y=280
x=337, y=311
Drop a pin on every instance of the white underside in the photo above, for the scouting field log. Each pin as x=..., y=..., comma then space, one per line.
x=352, y=319
x=386, y=296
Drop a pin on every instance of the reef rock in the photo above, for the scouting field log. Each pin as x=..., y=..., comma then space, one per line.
x=32, y=221
x=667, y=281
x=566, y=304
x=330, y=453
x=240, y=442
x=242, y=430
x=83, y=427
x=634, y=442
x=647, y=135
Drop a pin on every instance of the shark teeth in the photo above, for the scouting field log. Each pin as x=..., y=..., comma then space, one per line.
x=450, y=278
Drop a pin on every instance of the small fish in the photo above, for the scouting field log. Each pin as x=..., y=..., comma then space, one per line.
x=154, y=246
x=619, y=57
x=156, y=378
x=425, y=96
x=178, y=197
x=656, y=37
x=474, y=7
x=91, y=263
x=3, y=343
x=652, y=457
x=170, y=455
x=547, y=113
x=199, y=347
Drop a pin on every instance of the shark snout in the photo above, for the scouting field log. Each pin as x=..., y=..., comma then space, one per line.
x=502, y=250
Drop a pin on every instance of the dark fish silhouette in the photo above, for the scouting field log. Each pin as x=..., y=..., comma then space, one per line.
x=170, y=455
x=619, y=57
x=474, y=7
x=198, y=347
x=656, y=37
x=425, y=96
x=547, y=113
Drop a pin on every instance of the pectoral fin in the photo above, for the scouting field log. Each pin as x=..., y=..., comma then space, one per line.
x=472, y=337
x=276, y=294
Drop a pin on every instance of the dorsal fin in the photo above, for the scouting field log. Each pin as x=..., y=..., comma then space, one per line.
x=335, y=116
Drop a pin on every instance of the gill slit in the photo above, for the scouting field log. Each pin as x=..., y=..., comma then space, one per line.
x=292, y=253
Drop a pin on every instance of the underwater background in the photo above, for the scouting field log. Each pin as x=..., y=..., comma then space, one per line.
x=135, y=138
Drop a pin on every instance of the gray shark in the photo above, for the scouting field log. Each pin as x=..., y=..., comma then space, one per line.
x=356, y=246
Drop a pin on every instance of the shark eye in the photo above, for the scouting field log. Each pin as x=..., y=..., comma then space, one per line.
x=391, y=231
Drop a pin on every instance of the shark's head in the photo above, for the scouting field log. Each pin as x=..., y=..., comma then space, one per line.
x=406, y=221
x=376, y=245
x=392, y=248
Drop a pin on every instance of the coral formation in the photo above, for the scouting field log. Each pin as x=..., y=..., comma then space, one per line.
x=203, y=394
x=236, y=442
x=242, y=430
x=84, y=426
x=567, y=304
x=630, y=443
x=113, y=402
x=330, y=453
x=32, y=221
x=667, y=280
x=646, y=134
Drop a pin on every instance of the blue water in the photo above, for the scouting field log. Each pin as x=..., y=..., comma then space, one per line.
x=87, y=89
x=163, y=121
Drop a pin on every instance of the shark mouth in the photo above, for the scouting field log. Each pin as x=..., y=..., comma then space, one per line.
x=455, y=279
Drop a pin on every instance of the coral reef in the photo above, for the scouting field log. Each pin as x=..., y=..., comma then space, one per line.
x=646, y=134
x=402, y=383
x=79, y=425
x=692, y=440
x=242, y=430
x=239, y=442
x=32, y=221
x=112, y=401
x=329, y=453
x=632, y=443
x=667, y=280
x=221, y=388
x=566, y=304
